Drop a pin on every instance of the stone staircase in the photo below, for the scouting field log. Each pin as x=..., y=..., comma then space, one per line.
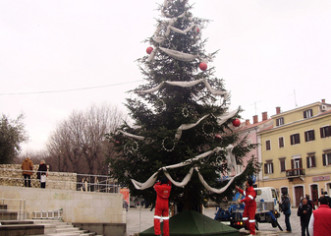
x=59, y=228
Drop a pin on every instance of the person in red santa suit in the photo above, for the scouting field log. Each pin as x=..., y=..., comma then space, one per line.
x=162, y=190
x=250, y=205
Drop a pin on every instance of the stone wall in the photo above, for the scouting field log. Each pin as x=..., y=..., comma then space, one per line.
x=11, y=175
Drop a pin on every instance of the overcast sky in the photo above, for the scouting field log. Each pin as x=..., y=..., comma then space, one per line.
x=59, y=56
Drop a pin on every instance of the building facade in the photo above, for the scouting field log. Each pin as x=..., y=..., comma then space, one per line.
x=296, y=152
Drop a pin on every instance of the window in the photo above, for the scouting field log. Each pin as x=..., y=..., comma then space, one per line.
x=280, y=121
x=311, y=162
x=308, y=113
x=269, y=167
x=267, y=145
x=282, y=164
x=309, y=135
x=295, y=139
x=281, y=142
x=325, y=131
x=326, y=159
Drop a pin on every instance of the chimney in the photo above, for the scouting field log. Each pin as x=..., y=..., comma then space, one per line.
x=277, y=110
x=264, y=116
x=247, y=122
x=255, y=119
x=323, y=100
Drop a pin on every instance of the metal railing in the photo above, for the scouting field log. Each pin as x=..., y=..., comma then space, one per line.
x=61, y=180
x=295, y=172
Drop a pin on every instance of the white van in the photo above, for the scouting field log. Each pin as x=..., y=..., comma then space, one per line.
x=268, y=195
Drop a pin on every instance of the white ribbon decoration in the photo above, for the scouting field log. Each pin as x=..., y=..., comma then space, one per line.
x=184, y=182
x=178, y=135
x=187, y=126
x=231, y=159
x=184, y=84
x=182, y=56
x=215, y=190
x=182, y=31
x=150, y=182
x=223, y=118
x=131, y=135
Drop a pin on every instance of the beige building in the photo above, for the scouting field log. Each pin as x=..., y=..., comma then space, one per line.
x=296, y=152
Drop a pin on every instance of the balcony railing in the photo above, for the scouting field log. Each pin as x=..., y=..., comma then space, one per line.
x=295, y=172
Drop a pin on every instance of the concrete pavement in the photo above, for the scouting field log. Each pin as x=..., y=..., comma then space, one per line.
x=139, y=219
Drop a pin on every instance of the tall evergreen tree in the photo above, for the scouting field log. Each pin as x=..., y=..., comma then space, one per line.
x=180, y=115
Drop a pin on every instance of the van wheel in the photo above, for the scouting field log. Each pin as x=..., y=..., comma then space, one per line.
x=256, y=225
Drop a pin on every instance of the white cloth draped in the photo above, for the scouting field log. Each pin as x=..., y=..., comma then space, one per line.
x=131, y=135
x=150, y=182
x=182, y=56
x=182, y=31
x=184, y=84
x=187, y=126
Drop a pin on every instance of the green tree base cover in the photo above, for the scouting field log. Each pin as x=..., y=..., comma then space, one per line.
x=177, y=92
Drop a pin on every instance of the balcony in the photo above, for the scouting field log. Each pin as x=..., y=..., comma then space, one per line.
x=295, y=173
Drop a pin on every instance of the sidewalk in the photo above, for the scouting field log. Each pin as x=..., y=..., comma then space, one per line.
x=139, y=219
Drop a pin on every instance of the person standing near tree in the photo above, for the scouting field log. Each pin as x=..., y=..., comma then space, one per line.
x=304, y=211
x=250, y=205
x=27, y=167
x=162, y=190
x=286, y=209
x=42, y=173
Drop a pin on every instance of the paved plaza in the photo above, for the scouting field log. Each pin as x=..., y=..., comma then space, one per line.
x=139, y=219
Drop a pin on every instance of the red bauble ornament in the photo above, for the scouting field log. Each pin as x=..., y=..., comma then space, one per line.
x=149, y=50
x=236, y=122
x=203, y=66
x=198, y=29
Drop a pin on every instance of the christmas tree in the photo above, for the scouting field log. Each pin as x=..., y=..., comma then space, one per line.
x=182, y=124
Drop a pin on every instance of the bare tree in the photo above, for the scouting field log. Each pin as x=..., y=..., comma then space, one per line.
x=79, y=144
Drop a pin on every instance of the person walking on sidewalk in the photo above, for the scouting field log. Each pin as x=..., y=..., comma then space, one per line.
x=304, y=211
x=27, y=167
x=286, y=209
x=250, y=205
x=320, y=220
x=162, y=190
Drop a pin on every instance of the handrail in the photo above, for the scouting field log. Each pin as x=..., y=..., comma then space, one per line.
x=79, y=182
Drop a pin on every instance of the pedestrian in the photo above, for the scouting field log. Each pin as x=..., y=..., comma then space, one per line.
x=42, y=174
x=250, y=205
x=286, y=209
x=310, y=202
x=327, y=198
x=27, y=167
x=304, y=211
x=162, y=189
x=320, y=220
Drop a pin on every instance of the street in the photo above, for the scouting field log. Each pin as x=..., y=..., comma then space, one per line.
x=139, y=219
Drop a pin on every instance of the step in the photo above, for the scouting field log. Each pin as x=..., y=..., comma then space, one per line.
x=66, y=229
x=16, y=222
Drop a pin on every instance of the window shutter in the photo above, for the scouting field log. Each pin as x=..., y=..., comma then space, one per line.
x=265, y=168
x=313, y=163
x=324, y=159
x=298, y=138
x=321, y=131
x=328, y=131
x=304, y=114
x=300, y=163
x=307, y=160
x=272, y=167
x=292, y=164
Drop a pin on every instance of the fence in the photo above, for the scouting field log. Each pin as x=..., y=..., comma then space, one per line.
x=59, y=180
